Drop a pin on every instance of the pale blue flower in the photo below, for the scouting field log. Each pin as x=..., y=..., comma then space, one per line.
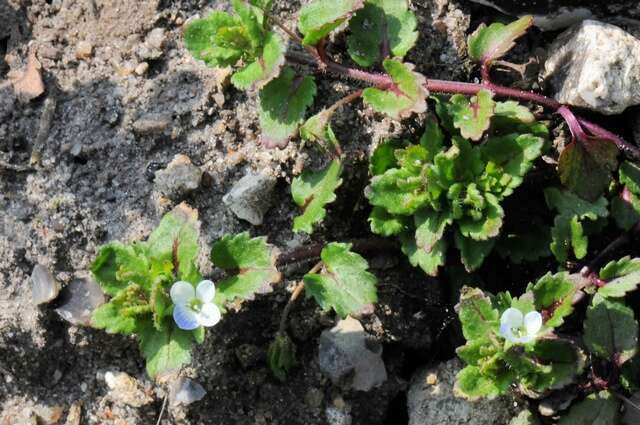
x=518, y=328
x=194, y=307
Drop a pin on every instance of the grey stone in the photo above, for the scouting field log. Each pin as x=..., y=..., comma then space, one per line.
x=125, y=389
x=595, y=65
x=250, y=198
x=156, y=38
x=185, y=391
x=79, y=299
x=44, y=287
x=431, y=400
x=180, y=178
x=347, y=357
x=151, y=124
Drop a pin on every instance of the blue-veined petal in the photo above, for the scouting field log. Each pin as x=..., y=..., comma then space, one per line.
x=533, y=322
x=185, y=318
x=206, y=291
x=182, y=293
x=209, y=315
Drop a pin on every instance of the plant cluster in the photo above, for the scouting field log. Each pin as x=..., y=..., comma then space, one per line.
x=480, y=142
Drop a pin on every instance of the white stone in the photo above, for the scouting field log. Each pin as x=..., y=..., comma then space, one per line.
x=596, y=66
x=44, y=287
x=250, y=198
x=185, y=391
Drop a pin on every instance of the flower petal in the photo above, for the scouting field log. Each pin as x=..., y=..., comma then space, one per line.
x=182, y=293
x=209, y=315
x=206, y=291
x=507, y=333
x=512, y=317
x=185, y=318
x=533, y=322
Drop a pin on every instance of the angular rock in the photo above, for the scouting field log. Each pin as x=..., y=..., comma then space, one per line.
x=179, y=179
x=595, y=65
x=125, y=389
x=431, y=401
x=250, y=198
x=44, y=287
x=79, y=299
x=151, y=124
x=349, y=359
x=185, y=391
x=48, y=415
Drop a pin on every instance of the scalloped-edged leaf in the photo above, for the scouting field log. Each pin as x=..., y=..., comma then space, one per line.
x=344, y=284
x=515, y=111
x=433, y=138
x=165, y=351
x=611, y=330
x=175, y=241
x=265, y=68
x=218, y=39
x=381, y=29
x=477, y=315
x=629, y=174
x=312, y=191
x=472, y=385
x=621, y=286
x=430, y=261
x=555, y=363
x=318, y=129
x=622, y=267
x=597, y=409
x=384, y=156
x=385, y=224
x=568, y=232
x=116, y=315
x=553, y=296
x=488, y=226
x=117, y=264
x=251, y=19
x=282, y=106
x=472, y=116
x=319, y=17
x=253, y=259
x=487, y=44
x=585, y=167
x=406, y=96
x=398, y=191
x=473, y=252
x=430, y=227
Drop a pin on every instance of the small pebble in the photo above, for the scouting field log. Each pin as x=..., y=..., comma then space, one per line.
x=44, y=287
x=142, y=68
x=185, y=391
x=84, y=50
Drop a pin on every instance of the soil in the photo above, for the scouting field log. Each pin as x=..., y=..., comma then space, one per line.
x=94, y=184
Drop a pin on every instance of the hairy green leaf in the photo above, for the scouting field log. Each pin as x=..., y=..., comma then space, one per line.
x=611, y=330
x=282, y=106
x=472, y=116
x=165, y=351
x=319, y=17
x=433, y=137
x=385, y=224
x=406, y=96
x=265, y=68
x=597, y=409
x=427, y=261
x=621, y=286
x=622, y=267
x=253, y=259
x=281, y=356
x=515, y=111
x=585, y=167
x=430, y=226
x=553, y=295
x=312, y=191
x=344, y=284
x=476, y=313
x=473, y=385
x=473, y=252
x=384, y=157
x=219, y=39
x=553, y=364
x=487, y=44
x=398, y=191
x=318, y=129
x=381, y=29
x=116, y=265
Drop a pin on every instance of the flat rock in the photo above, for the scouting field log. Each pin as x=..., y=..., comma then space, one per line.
x=179, y=179
x=79, y=299
x=185, y=391
x=349, y=358
x=250, y=198
x=125, y=389
x=595, y=65
x=431, y=401
x=44, y=287
x=151, y=124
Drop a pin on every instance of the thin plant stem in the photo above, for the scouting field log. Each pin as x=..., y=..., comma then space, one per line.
x=294, y=296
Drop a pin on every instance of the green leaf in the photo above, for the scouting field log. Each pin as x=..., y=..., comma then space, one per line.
x=556, y=363
x=344, y=285
x=175, y=241
x=553, y=294
x=476, y=313
x=250, y=21
x=611, y=330
x=427, y=261
x=252, y=258
x=406, y=96
x=430, y=226
x=525, y=417
x=585, y=167
x=318, y=129
x=624, y=266
x=265, y=68
x=384, y=157
x=621, y=286
x=385, y=224
x=312, y=191
x=165, y=351
x=219, y=39
x=109, y=317
x=472, y=385
x=629, y=174
x=398, y=191
x=473, y=252
x=472, y=116
x=515, y=111
x=282, y=106
x=319, y=17
x=381, y=29
x=568, y=232
x=487, y=44
x=433, y=138
x=160, y=303
x=597, y=409
x=488, y=226
x=625, y=212
x=116, y=265
x=281, y=356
